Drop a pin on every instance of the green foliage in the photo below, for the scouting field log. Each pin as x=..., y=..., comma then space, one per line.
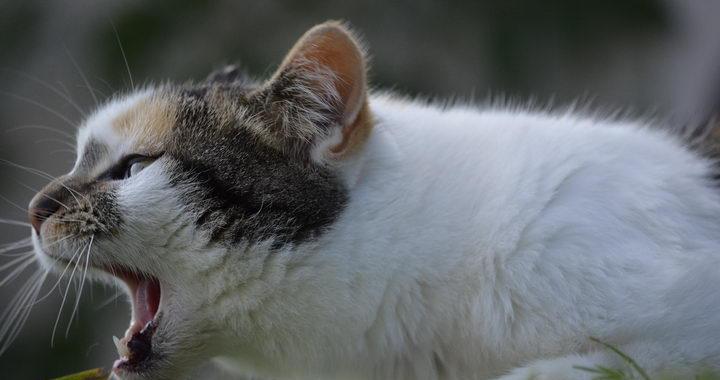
x=634, y=371
x=91, y=374
x=632, y=363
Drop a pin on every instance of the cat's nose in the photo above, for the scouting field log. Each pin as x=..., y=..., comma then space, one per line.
x=41, y=208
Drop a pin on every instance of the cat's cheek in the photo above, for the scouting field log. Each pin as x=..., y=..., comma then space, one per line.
x=153, y=218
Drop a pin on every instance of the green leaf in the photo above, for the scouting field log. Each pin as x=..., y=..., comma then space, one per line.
x=91, y=374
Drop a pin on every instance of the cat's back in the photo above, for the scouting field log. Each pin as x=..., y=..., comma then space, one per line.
x=427, y=129
x=506, y=171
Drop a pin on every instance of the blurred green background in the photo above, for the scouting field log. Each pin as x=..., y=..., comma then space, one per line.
x=646, y=57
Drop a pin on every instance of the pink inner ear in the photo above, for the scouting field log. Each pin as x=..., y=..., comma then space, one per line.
x=333, y=48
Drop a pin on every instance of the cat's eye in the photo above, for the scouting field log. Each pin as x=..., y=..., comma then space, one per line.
x=129, y=166
x=136, y=167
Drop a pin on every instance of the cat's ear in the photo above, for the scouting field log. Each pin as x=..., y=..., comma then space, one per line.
x=316, y=102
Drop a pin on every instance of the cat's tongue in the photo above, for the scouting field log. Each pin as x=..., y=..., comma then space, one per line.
x=146, y=300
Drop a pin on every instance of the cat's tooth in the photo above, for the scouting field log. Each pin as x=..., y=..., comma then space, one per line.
x=116, y=340
x=122, y=349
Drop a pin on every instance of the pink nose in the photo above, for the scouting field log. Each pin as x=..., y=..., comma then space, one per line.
x=41, y=209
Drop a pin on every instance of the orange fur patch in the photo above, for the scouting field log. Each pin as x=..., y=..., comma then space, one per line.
x=147, y=123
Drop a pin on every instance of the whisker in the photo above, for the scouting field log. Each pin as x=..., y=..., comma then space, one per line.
x=110, y=300
x=42, y=127
x=17, y=206
x=64, y=298
x=29, y=169
x=67, y=144
x=15, y=223
x=60, y=277
x=14, y=261
x=112, y=271
x=9, y=247
x=8, y=252
x=68, y=151
x=11, y=309
x=40, y=105
x=127, y=65
x=26, y=307
x=60, y=240
x=8, y=316
x=19, y=308
x=16, y=272
x=44, y=195
x=82, y=284
x=63, y=87
x=84, y=78
x=49, y=177
x=20, y=262
x=103, y=95
x=71, y=191
x=29, y=253
x=106, y=84
x=50, y=87
x=61, y=219
x=26, y=240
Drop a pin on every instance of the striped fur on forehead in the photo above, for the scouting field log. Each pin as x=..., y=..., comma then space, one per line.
x=291, y=113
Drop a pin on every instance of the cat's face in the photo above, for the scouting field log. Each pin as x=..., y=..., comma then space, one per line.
x=182, y=193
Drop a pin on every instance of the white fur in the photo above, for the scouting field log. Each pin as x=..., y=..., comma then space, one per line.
x=474, y=242
x=480, y=241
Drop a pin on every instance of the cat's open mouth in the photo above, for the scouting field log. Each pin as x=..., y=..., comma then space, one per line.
x=135, y=348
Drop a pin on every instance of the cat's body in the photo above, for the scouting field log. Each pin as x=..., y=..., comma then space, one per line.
x=301, y=229
x=475, y=241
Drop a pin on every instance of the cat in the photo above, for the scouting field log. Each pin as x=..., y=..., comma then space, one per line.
x=308, y=227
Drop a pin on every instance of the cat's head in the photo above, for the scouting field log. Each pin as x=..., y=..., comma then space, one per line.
x=183, y=193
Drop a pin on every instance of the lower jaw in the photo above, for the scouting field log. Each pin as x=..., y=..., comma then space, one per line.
x=136, y=350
